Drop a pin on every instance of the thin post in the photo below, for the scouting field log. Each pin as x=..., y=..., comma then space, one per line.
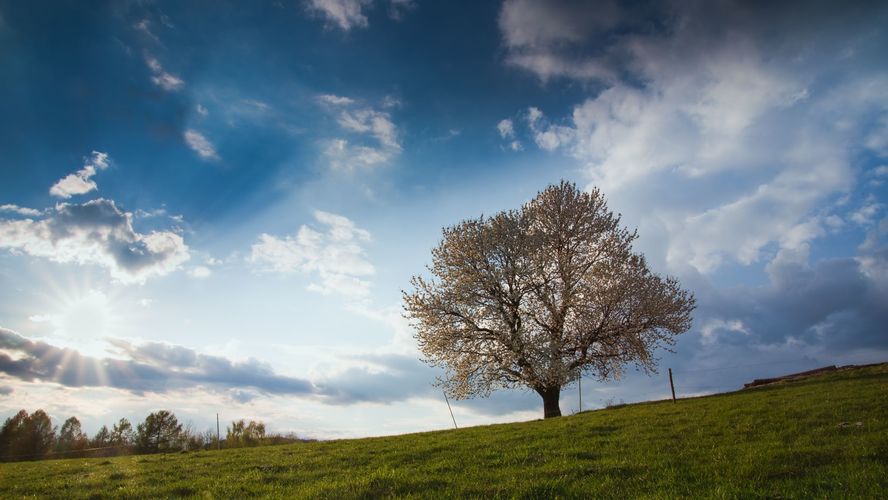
x=580, y=390
x=671, y=385
x=451, y=410
x=218, y=436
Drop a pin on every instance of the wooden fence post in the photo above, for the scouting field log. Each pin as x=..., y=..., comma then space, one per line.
x=671, y=385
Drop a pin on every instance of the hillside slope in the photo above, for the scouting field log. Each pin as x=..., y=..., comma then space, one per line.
x=825, y=436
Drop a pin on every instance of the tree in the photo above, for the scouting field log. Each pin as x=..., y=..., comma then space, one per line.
x=122, y=433
x=71, y=436
x=242, y=433
x=12, y=433
x=159, y=432
x=539, y=296
x=102, y=438
x=27, y=436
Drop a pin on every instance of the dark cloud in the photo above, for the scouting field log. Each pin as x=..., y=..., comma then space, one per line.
x=156, y=367
x=839, y=304
x=608, y=41
x=381, y=378
x=153, y=367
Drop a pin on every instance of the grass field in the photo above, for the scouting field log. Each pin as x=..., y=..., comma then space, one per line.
x=825, y=436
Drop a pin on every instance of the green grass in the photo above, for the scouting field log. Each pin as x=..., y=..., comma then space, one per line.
x=776, y=441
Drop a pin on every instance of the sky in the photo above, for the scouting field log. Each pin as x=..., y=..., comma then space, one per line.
x=214, y=207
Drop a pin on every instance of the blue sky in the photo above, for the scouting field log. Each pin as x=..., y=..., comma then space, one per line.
x=214, y=207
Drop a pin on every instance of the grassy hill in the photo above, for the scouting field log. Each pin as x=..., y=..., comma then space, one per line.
x=825, y=436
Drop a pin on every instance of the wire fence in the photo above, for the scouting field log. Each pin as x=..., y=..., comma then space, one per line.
x=686, y=390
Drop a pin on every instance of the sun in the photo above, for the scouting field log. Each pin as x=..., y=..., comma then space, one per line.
x=77, y=313
x=87, y=317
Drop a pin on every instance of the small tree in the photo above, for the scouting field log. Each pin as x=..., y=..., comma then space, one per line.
x=160, y=432
x=242, y=433
x=71, y=436
x=40, y=433
x=539, y=296
x=102, y=438
x=122, y=433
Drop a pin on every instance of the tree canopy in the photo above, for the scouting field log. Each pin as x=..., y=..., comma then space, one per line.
x=160, y=431
x=538, y=296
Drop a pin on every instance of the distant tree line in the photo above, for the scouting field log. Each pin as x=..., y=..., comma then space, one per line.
x=32, y=437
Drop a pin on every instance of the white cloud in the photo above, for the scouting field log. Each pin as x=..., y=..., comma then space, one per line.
x=333, y=254
x=764, y=134
x=200, y=272
x=28, y=212
x=160, y=77
x=878, y=176
x=81, y=182
x=350, y=14
x=709, y=331
x=368, y=121
x=335, y=100
x=345, y=14
x=547, y=136
x=365, y=123
x=201, y=145
x=345, y=156
x=866, y=214
x=390, y=101
x=98, y=233
x=168, y=81
x=144, y=27
x=506, y=129
x=201, y=110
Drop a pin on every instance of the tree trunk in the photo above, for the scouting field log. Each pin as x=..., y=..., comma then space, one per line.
x=550, y=397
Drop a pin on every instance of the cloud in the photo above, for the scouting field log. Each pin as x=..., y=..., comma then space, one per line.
x=763, y=132
x=376, y=138
x=539, y=37
x=160, y=77
x=335, y=100
x=375, y=123
x=349, y=14
x=711, y=328
x=343, y=155
x=201, y=145
x=378, y=378
x=506, y=129
x=149, y=367
x=81, y=182
x=344, y=14
x=28, y=212
x=98, y=233
x=547, y=136
x=144, y=27
x=397, y=8
x=835, y=305
x=866, y=214
x=200, y=272
x=155, y=367
x=333, y=253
